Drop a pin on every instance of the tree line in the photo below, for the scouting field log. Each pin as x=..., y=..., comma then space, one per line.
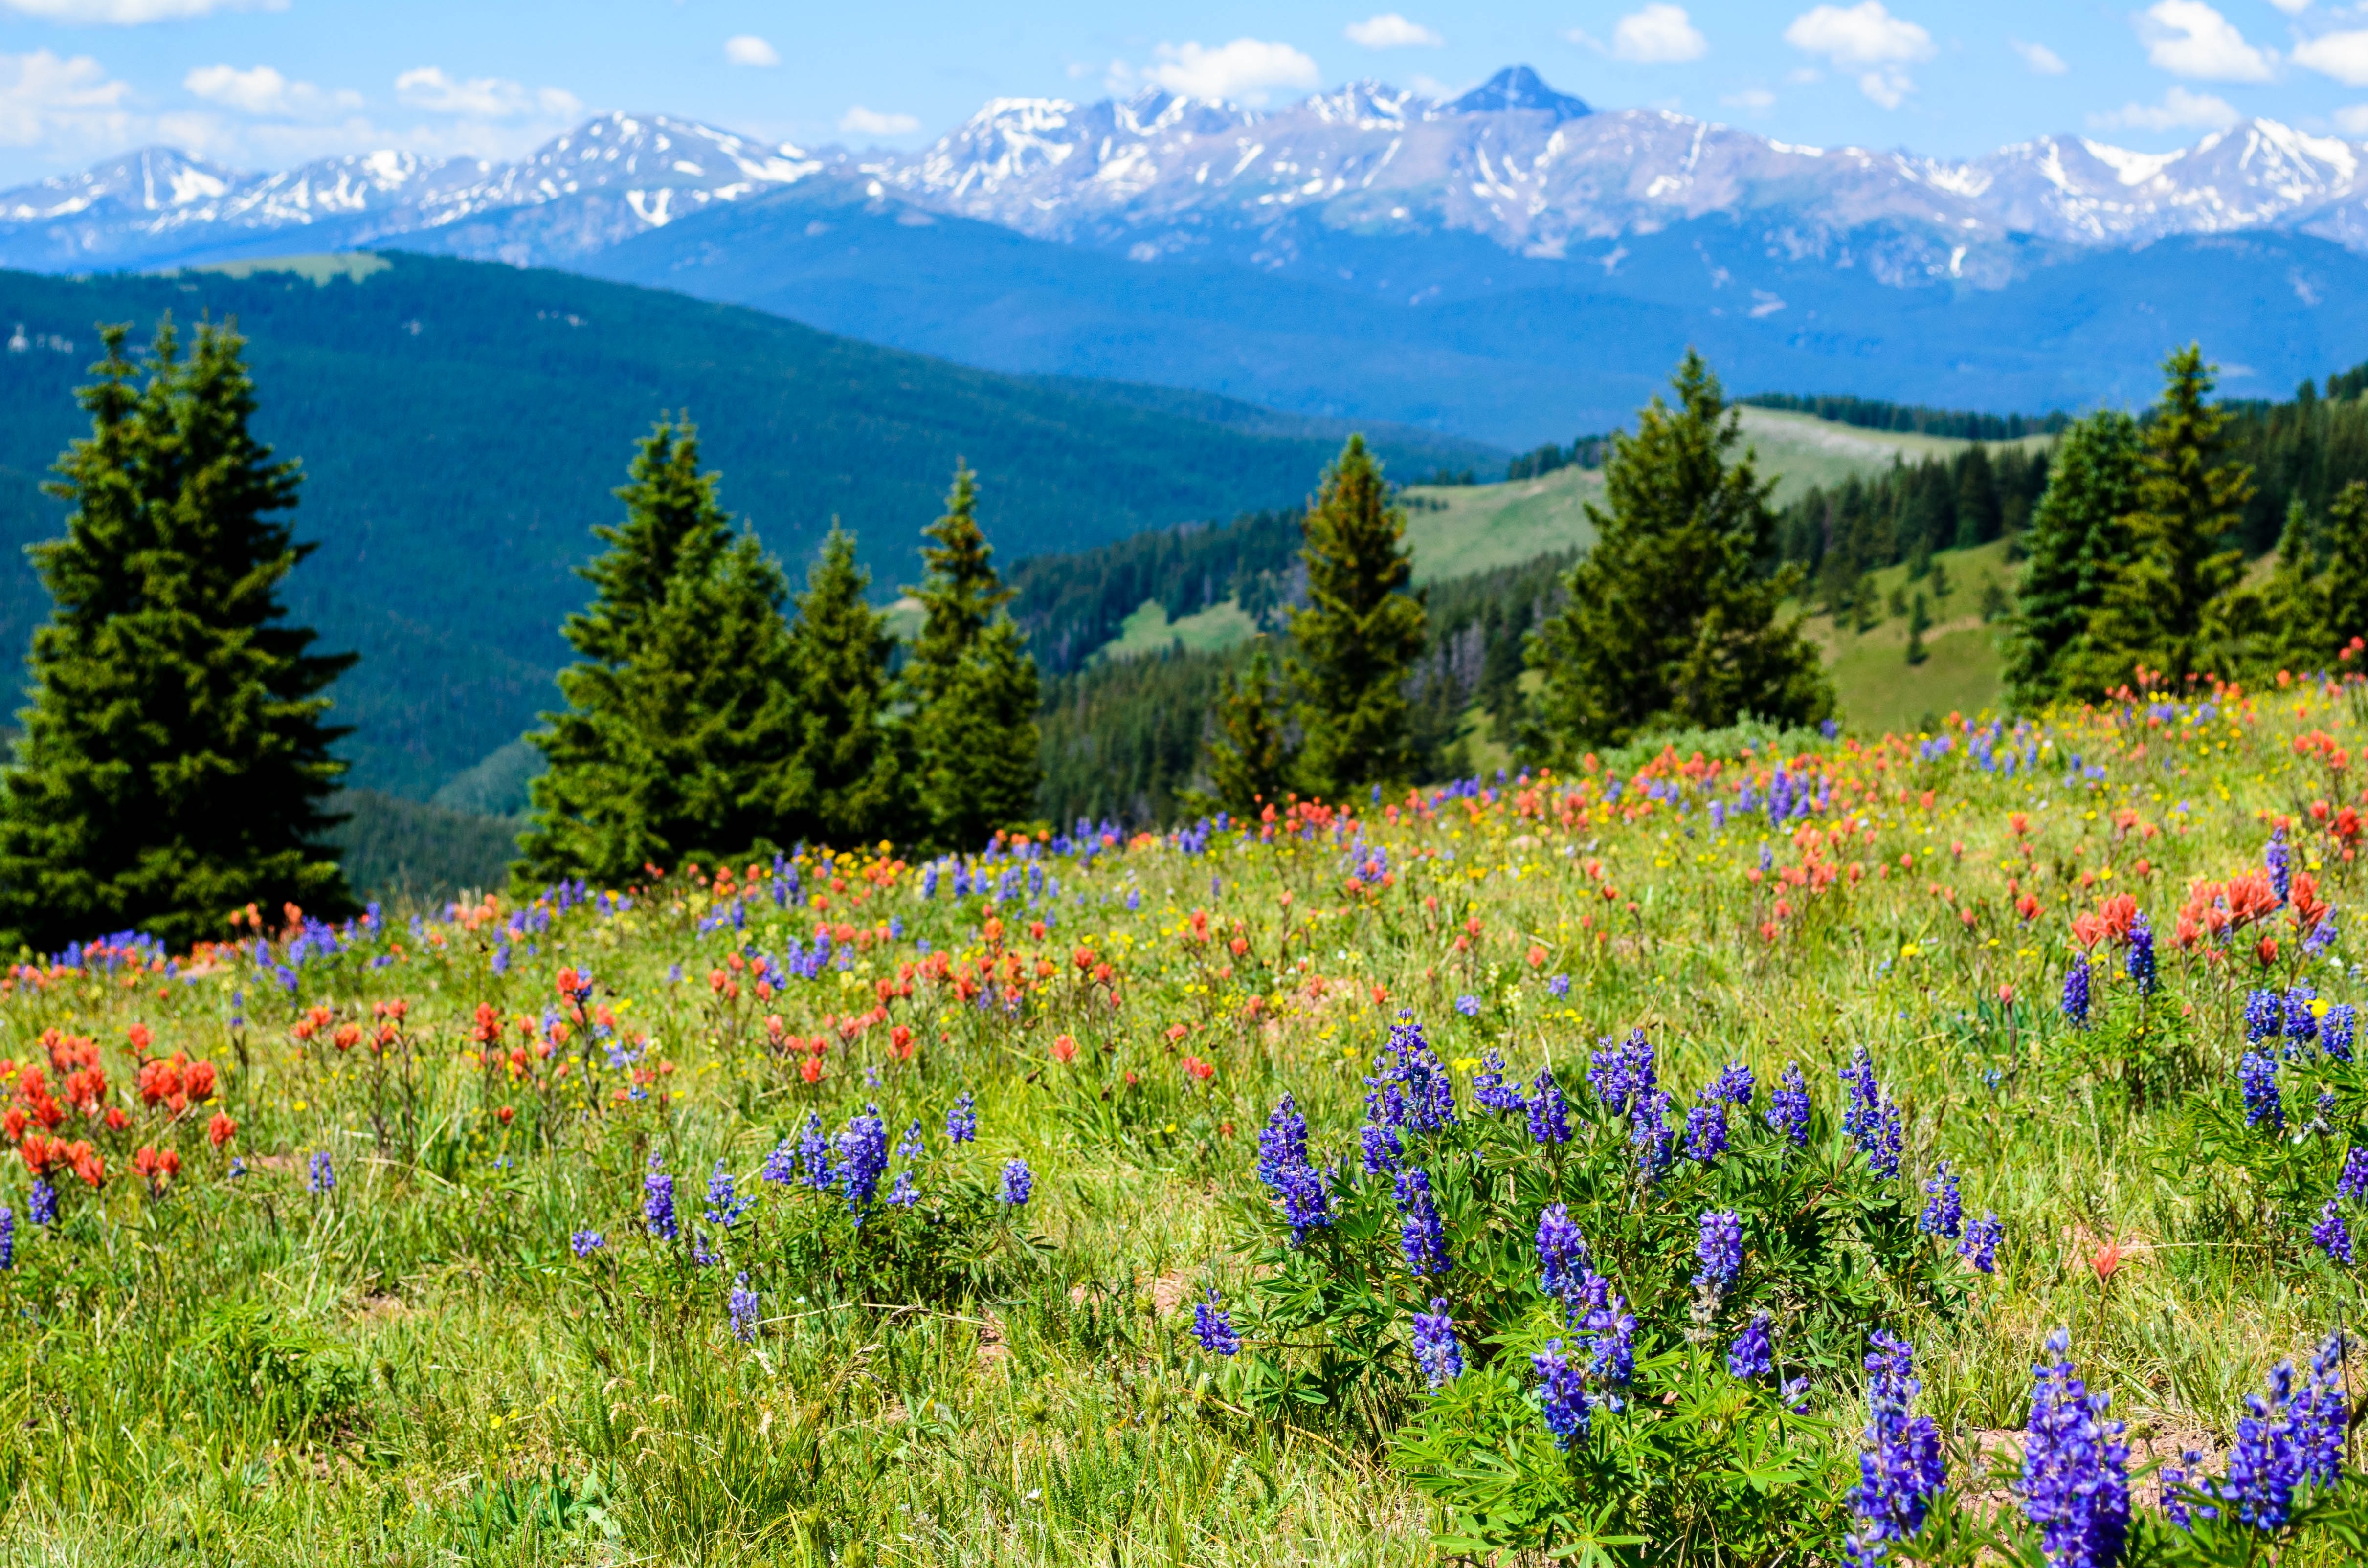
x=1914, y=418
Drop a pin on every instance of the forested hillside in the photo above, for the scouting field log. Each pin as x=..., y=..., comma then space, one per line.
x=462, y=424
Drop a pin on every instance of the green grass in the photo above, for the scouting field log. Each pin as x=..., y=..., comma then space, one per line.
x=1878, y=687
x=1148, y=630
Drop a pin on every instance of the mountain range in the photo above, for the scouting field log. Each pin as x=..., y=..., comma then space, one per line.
x=1509, y=264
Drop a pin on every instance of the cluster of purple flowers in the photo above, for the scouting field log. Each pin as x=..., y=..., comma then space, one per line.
x=2353, y=1181
x=1944, y=1208
x=1901, y=1468
x=2076, y=992
x=1562, y=1395
x=862, y=1158
x=2257, y=1075
x=2076, y=1484
x=1422, y=1237
x=1752, y=1356
x=1284, y=1168
x=2340, y=1028
x=582, y=1242
x=2333, y=1236
x=961, y=1120
x=2302, y=1024
x=1435, y=1346
x=1213, y=1327
x=1563, y=1262
x=657, y=1200
x=1734, y=1085
x=41, y=1204
x=1788, y=1105
x=2139, y=961
x=320, y=1177
x=1980, y=1246
x=1649, y=1135
x=1488, y=1085
x=1549, y=1113
x=725, y=1207
x=740, y=1308
x=813, y=1155
x=1870, y=1118
x=1719, y=1249
x=2287, y=1439
x=1410, y=1087
x=1380, y=1148
x=2265, y=1015
x=1624, y=1074
x=1706, y=1132
x=1019, y=1183
x=2278, y=860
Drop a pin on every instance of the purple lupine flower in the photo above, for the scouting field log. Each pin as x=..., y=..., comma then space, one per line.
x=903, y=1195
x=962, y=1121
x=1549, y=1120
x=1488, y=1085
x=2075, y=1483
x=1751, y=1356
x=1423, y=1236
x=1734, y=1085
x=2321, y=1413
x=582, y=1242
x=42, y=1205
x=1468, y=1006
x=2353, y=1183
x=1944, y=1208
x=1719, y=1249
x=2076, y=992
x=2139, y=962
x=2265, y=1464
x=2339, y=1029
x=1563, y=1262
x=1706, y=1132
x=2257, y=1075
x=1562, y=1395
x=1649, y=1134
x=1410, y=1087
x=1558, y=986
x=1624, y=1074
x=910, y=1147
x=1871, y=1117
x=723, y=1209
x=1380, y=1148
x=814, y=1154
x=2265, y=1015
x=1901, y=1469
x=1788, y=1106
x=320, y=1175
x=1018, y=1182
x=2278, y=860
x=1213, y=1327
x=1980, y=1246
x=1610, y=1330
x=2332, y=1235
x=7, y=1240
x=741, y=1307
x=781, y=1166
x=1283, y=1167
x=1435, y=1346
x=2182, y=1490
x=2299, y=1023
x=1796, y=1395
x=657, y=1200
x=862, y=1157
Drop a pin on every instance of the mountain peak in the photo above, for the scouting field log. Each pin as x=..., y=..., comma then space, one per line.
x=1516, y=87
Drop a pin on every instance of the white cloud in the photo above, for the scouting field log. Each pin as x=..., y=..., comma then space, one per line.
x=2188, y=38
x=861, y=121
x=1865, y=34
x=2353, y=118
x=2042, y=59
x=1390, y=31
x=2292, y=7
x=47, y=99
x=1868, y=37
x=480, y=98
x=747, y=49
x=264, y=91
x=1751, y=100
x=1660, y=34
x=2343, y=56
x=1246, y=69
x=2180, y=111
x=131, y=13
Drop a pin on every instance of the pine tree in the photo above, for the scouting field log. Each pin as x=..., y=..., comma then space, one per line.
x=2345, y=539
x=1919, y=622
x=175, y=764
x=1248, y=758
x=680, y=718
x=2077, y=541
x=972, y=686
x=1360, y=634
x=1670, y=618
x=1977, y=499
x=2155, y=607
x=844, y=784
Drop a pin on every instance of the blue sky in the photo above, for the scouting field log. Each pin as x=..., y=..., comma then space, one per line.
x=260, y=83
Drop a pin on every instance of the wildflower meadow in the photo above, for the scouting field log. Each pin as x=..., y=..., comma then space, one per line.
x=1751, y=1147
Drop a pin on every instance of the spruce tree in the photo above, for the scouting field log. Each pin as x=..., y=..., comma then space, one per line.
x=1248, y=758
x=680, y=718
x=173, y=765
x=2344, y=602
x=1360, y=635
x=1919, y=622
x=2155, y=606
x=971, y=685
x=1671, y=619
x=2078, y=540
x=843, y=782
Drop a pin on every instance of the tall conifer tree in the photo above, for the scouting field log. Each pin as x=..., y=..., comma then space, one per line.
x=680, y=717
x=844, y=783
x=1248, y=758
x=2155, y=607
x=1360, y=635
x=175, y=761
x=1672, y=618
x=972, y=686
x=2078, y=540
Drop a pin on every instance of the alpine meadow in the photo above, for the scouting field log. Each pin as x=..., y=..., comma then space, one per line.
x=1378, y=882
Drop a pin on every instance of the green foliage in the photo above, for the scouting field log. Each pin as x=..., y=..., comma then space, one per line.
x=679, y=717
x=1358, y=635
x=175, y=764
x=416, y=852
x=2078, y=540
x=1248, y=753
x=844, y=780
x=1873, y=413
x=1919, y=622
x=1670, y=618
x=972, y=686
x=1073, y=602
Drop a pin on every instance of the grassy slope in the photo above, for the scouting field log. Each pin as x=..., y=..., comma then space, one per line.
x=386, y=1371
x=1879, y=689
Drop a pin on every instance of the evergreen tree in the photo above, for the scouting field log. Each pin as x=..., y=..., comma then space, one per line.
x=973, y=686
x=1977, y=499
x=843, y=782
x=1671, y=619
x=2155, y=607
x=175, y=761
x=1248, y=758
x=1359, y=636
x=2077, y=541
x=1919, y=622
x=680, y=719
x=2344, y=602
